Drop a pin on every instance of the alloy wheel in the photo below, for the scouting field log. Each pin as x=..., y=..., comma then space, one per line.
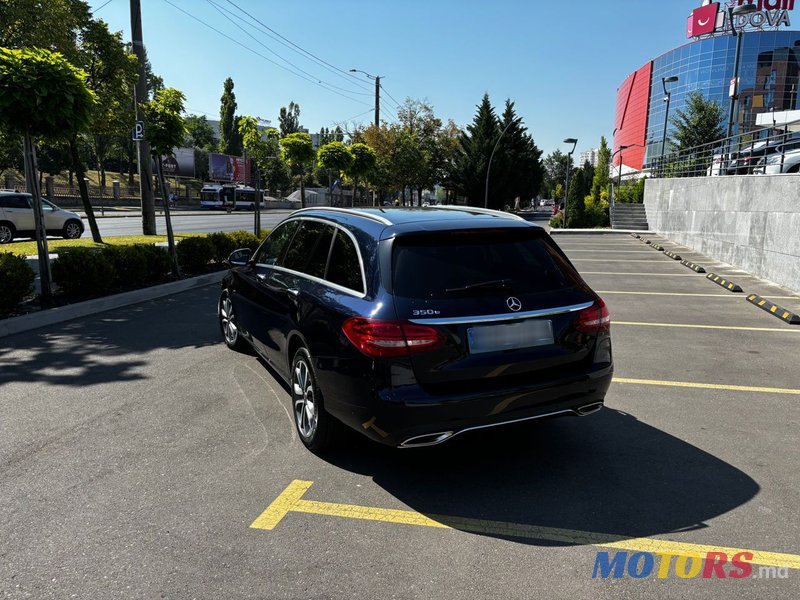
x=227, y=321
x=72, y=231
x=306, y=411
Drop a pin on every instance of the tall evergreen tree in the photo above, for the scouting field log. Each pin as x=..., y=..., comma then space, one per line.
x=476, y=144
x=517, y=162
x=602, y=177
x=289, y=119
x=230, y=140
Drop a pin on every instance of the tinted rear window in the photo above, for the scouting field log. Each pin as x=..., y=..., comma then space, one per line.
x=427, y=266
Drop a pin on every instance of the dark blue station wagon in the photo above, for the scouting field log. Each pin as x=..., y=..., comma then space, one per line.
x=412, y=326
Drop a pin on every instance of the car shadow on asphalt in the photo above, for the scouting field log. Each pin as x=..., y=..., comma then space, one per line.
x=608, y=474
x=112, y=346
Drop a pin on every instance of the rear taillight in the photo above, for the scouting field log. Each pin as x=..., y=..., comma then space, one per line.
x=594, y=319
x=382, y=339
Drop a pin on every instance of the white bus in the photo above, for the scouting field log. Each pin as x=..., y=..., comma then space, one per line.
x=223, y=197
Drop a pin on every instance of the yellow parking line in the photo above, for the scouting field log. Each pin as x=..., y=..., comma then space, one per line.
x=708, y=386
x=291, y=501
x=739, y=297
x=690, y=326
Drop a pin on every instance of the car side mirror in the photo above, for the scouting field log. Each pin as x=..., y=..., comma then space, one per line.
x=240, y=257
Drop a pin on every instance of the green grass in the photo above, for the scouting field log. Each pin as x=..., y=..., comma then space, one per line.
x=53, y=246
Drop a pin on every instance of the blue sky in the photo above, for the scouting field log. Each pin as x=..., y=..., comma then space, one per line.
x=561, y=61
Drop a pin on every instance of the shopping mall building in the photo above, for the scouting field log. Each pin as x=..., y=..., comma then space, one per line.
x=768, y=75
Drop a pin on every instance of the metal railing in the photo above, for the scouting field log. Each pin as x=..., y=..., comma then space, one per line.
x=761, y=151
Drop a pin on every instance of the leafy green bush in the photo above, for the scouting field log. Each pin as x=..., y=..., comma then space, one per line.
x=130, y=265
x=84, y=272
x=245, y=239
x=194, y=253
x=557, y=220
x=224, y=244
x=158, y=261
x=16, y=280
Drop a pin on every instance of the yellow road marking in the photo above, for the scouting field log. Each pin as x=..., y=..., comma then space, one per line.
x=708, y=386
x=690, y=326
x=692, y=295
x=290, y=500
x=285, y=502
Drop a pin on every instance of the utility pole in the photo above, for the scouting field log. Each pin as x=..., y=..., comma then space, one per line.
x=377, y=102
x=143, y=148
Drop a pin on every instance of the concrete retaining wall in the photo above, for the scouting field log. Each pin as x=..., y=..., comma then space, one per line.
x=749, y=221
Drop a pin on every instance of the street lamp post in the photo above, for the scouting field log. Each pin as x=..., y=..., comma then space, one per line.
x=667, y=98
x=742, y=9
x=489, y=167
x=377, y=79
x=574, y=143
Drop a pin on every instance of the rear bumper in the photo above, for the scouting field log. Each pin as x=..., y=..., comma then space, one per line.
x=410, y=417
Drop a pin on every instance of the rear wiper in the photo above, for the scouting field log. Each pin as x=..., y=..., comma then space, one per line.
x=500, y=284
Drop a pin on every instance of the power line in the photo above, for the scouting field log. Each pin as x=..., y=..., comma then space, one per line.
x=259, y=42
x=104, y=4
x=300, y=50
x=238, y=43
x=396, y=103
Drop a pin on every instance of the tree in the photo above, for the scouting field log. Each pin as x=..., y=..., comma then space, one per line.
x=476, y=144
x=164, y=130
x=43, y=96
x=555, y=169
x=264, y=150
x=230, y=141
x=576, y=200
x=54, y=24
x=362, y=163
x=602, y=176
x=518, y=161
x=298, y=151
x=199, y=133
x=335, y=157
x=699, y=123
x=289, y=119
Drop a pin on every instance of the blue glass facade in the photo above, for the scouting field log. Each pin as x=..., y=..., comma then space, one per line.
x=768, y=75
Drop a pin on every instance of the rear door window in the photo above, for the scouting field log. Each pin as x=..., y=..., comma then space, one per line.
x=308, y=251
x=344, y=268
x=14, y=201
x=442, y=265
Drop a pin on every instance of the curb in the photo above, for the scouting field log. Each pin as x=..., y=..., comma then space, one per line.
x=774, y=309
x=728, y=285
x=61, y=314
x=693, y=267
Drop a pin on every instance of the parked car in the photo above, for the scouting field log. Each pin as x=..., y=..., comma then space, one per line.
x=412, y=326
x=745, y=161
x=788, y=162
x=16, y=218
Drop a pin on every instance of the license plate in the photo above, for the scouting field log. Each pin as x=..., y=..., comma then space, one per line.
x=513, y=336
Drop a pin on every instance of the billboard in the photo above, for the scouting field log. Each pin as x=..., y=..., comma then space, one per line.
x=227, y=168
x=180, y=164
x=713, y=17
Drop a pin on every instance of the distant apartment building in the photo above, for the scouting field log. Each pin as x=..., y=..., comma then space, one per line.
x=589, y=156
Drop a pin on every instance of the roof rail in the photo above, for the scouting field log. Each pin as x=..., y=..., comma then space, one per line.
x=482, y=211
x=347, y=211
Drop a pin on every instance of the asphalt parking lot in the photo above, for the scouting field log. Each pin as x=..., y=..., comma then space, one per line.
x=139, y=458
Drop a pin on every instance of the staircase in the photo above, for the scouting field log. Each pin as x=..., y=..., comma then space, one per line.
x=629, y=216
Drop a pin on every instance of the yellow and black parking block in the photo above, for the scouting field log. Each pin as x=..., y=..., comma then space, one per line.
x=774, y=309
x=693, y=267
x=728, y=285
x=656, y=246
x=636, y=235
x=672, y=255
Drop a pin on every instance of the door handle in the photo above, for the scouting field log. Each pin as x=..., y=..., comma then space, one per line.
x=293, y=291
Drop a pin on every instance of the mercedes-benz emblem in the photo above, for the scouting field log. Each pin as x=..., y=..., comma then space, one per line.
x=514, y=303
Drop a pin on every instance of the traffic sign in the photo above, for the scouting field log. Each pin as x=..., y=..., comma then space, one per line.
x=138, y=131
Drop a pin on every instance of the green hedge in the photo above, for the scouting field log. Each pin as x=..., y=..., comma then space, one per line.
x=227, y=242
x=88, y=272
x=16, y=280
x=194, y=253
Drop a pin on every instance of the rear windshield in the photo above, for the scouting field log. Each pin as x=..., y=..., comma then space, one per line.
x=439, y=265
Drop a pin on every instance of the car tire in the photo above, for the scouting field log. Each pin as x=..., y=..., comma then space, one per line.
x=7, y=232
x=794, y=169
x=228, y=325
x=315, y=427
x=72, y=230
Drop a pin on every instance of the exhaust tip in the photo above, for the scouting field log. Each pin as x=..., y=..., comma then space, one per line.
x=428, y=439
x=588, y=409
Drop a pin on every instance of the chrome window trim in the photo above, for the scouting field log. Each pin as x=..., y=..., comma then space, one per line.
x=346, y=211
x=335, y=286
x=531, y=314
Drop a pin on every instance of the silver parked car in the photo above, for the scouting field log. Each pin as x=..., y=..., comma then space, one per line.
x=16, y=218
